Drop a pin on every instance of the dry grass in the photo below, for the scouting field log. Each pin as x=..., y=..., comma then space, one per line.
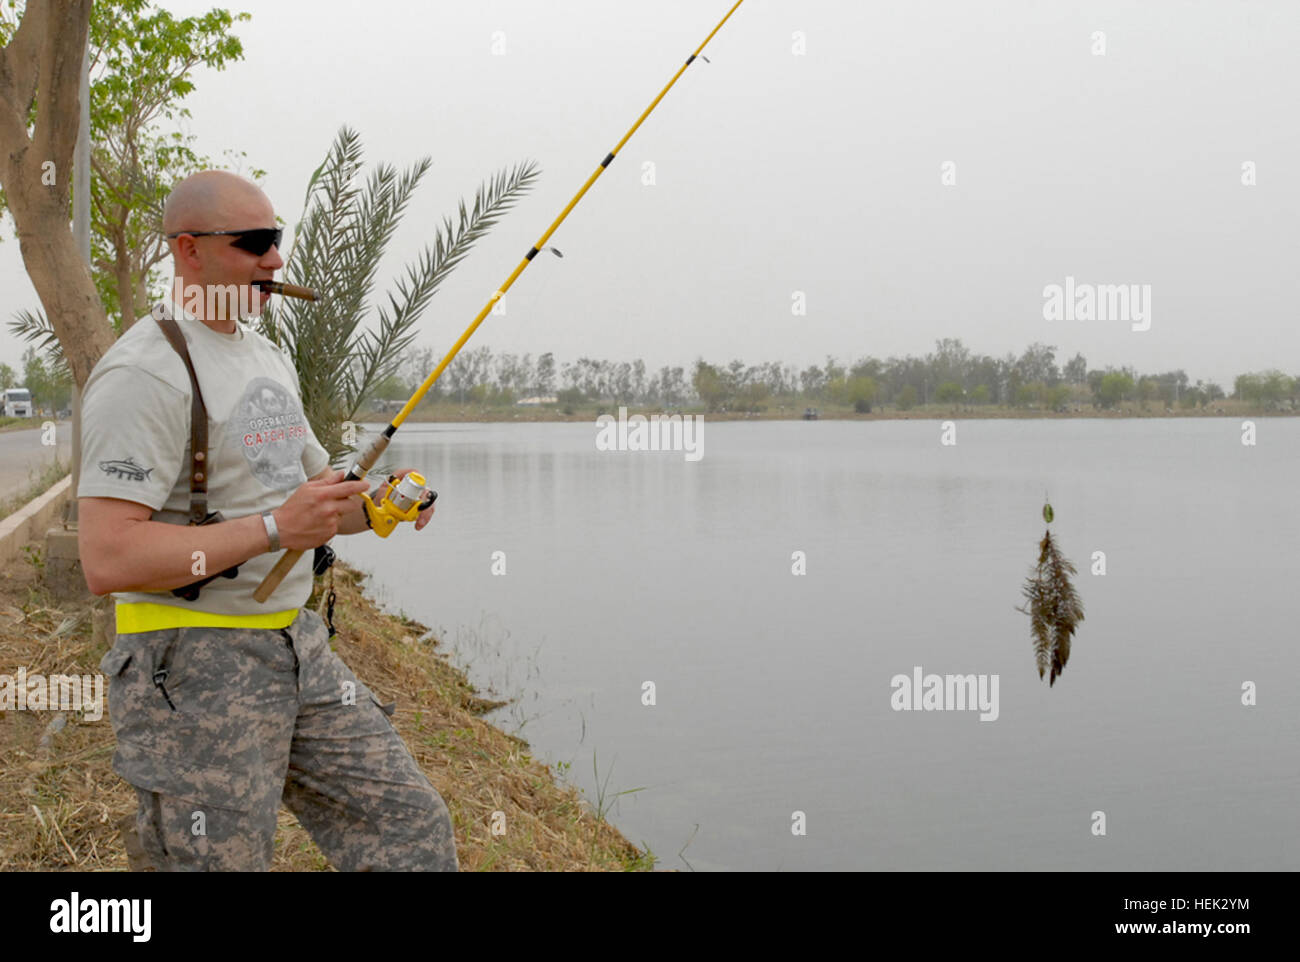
x=38, y=482
x=60, y=804
x=21, y=424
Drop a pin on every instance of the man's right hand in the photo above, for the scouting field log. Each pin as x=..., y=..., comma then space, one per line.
x=311, y=515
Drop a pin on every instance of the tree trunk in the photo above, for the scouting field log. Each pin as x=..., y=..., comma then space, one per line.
x=36, y=171
x=142, y=304
x=125, y=289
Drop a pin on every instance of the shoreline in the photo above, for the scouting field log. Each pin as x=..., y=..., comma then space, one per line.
x=64, y=807
x=470, y=414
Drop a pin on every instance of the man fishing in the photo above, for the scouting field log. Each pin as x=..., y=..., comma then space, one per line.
x=224, y=707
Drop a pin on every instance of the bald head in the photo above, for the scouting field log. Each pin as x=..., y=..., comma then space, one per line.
x=216, y=200
x=215, y=279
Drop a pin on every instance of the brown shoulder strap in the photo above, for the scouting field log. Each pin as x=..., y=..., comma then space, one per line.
x=198, y=424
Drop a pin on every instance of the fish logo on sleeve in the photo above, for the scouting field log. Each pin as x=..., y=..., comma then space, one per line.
x=126, y=469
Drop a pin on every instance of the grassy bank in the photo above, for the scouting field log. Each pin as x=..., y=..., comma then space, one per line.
x=37, y=485
x=445, y=412
x=18, y=424
x=61, y=803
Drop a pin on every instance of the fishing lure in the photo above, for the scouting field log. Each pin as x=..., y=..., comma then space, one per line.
x=1053, y=605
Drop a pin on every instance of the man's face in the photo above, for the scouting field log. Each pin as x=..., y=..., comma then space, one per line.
x=223, y=264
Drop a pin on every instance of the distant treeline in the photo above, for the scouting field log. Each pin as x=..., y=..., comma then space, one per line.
x=49, y=382
x=949, y=375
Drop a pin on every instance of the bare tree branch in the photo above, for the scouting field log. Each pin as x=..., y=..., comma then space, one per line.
x=19, y=63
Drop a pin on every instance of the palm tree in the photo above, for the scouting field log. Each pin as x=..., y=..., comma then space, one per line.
x=337, y=248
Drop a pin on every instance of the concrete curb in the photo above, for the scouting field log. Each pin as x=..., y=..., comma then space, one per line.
x=30, y=522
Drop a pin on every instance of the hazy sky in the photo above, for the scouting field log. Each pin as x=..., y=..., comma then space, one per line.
x=779, y=171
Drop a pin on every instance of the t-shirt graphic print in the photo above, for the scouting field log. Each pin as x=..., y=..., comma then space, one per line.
x=268, y=426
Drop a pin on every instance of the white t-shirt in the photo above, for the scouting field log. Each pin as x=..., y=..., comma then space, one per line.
x=135, y=434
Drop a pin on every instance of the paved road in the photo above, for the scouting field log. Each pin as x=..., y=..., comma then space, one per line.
x=23, y=457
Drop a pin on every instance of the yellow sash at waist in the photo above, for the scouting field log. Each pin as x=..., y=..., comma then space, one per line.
x=135, y=617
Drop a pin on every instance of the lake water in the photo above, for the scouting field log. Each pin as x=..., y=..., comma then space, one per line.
x=773, y=690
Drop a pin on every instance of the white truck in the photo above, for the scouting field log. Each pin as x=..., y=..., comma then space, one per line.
x=18, y=402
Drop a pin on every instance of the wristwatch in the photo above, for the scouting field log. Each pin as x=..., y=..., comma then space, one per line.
x=272, y=532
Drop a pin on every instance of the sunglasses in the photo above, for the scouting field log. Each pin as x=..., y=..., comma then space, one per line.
x=257, y=241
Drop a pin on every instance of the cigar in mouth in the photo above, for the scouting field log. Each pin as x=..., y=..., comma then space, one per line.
x=287, y=290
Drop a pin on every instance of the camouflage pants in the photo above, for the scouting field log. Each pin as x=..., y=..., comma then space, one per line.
x=216, y=726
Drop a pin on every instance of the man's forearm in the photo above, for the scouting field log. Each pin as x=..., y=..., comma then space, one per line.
x=153, y=556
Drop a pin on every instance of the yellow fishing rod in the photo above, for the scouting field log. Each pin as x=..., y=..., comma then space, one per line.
x=405, y=501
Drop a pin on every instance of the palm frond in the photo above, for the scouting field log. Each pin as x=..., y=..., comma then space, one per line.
x=382, y=352
x=341, y=346
x=36, y=328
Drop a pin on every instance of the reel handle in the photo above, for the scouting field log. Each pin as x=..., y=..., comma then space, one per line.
x=277, y=574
